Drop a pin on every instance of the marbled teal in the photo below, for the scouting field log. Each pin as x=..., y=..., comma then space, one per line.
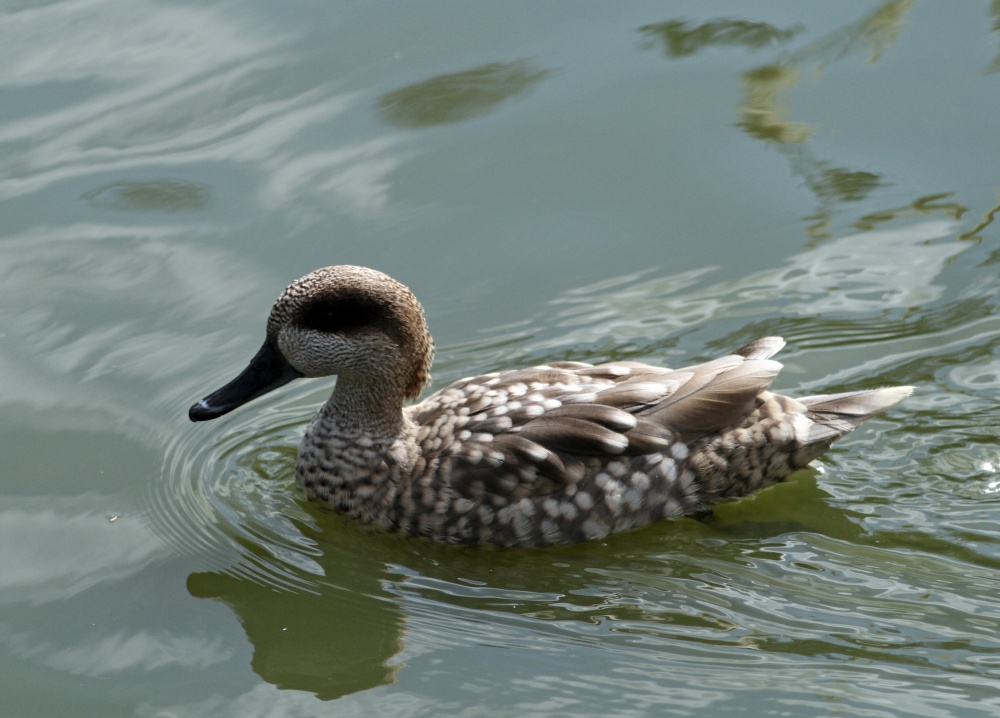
x=557, y=453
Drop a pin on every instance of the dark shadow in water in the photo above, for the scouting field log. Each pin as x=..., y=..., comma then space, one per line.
x=337, y=639
x=162, y=195
x=683, y=580
x=680, y=38
x=344, y=635
x=458, y=96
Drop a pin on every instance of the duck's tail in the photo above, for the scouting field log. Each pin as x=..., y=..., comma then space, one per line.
x=834, y=415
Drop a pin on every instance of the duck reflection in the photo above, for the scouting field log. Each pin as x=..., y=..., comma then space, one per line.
x=330, y=637
x=384, y=598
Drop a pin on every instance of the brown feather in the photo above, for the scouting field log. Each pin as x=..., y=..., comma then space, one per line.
x=575, y=436
x=637, y=394
x=531, y=453
x=649, y=438
x=763, y=348
x=721, y=396
x=834, y=415
x=607, y=416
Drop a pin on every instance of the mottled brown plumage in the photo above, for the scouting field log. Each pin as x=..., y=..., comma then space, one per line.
x=557, y=453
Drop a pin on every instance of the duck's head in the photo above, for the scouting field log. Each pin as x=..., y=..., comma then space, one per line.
x=353, y=322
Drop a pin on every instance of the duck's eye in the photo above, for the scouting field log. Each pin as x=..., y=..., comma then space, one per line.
x=341, y=315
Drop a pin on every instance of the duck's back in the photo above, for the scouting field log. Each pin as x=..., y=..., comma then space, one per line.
x=568, y=451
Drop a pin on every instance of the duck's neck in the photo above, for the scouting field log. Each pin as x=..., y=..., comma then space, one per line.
x=357, y=445
x=364, y=409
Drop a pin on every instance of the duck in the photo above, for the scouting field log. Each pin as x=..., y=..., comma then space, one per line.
x=559, y=453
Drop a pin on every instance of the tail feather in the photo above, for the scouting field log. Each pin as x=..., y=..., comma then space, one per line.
x=834, y=415
x=716, y=395
x=763, y=348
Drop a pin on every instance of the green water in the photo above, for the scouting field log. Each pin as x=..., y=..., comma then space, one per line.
x=654, y=181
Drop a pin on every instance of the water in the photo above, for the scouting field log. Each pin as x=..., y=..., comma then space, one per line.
x=651, y=181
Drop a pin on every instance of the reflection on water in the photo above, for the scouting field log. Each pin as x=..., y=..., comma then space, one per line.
x=234, y=96
x=765, y=105
x=373, y=601
x=861, y=274
x=338, y=637
x=135, y=111
x=316, y=612
x=875, y=33
x=986, y=221
x=460, y=95
x=994, y=11
x=67, y=546
x=682, y=38
x=317, y=615
x=165, y=195
x=706, y=592
x=920, y=207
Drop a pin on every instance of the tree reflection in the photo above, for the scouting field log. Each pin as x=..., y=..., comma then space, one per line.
x=763, y=111
x=160, y=195
x=920, y=207
x=764, y=108
x=875, y=33
x=682, y=39
x=995, y=12
x=458, y=96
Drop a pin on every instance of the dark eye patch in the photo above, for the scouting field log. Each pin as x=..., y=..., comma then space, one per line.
x=343, y=314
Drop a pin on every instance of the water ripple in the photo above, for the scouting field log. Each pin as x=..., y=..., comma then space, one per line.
x=230, y=493
x=882, y=574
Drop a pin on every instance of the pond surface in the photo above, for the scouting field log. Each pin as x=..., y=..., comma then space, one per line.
x=648, y=180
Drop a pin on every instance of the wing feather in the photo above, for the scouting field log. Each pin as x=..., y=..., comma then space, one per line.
x=527, y=432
